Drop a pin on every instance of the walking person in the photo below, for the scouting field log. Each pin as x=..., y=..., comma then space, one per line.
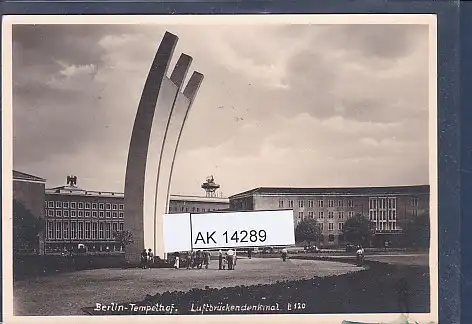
x=235, y=258
x=193, y=257
x=249, y=253
x=284, y=255
x=360, y=256
x=220, y=260
x=150, y=257
x=198, y=259
x=207, y=259
x=189, y=259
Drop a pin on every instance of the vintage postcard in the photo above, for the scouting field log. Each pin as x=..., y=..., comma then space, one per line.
x=243, y=168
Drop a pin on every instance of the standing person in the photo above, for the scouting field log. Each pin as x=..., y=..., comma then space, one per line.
x=235, y=258
x=220, y=260
x=249, y=253
x=189, y=259
x=198, y=259
x=360, y=256
x=284, y=254
x=144, y=259
x=177, y=260
x=207, y=259
x=230, y=258
x=193, y=259
x=150, y=257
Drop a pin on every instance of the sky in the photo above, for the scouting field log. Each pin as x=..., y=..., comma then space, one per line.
x=280, y=105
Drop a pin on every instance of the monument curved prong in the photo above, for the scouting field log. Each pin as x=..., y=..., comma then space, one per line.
x=138, y=148
x=162, y=107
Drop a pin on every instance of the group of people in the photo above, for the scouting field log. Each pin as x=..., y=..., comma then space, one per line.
x=227, y=260
x=147, y=258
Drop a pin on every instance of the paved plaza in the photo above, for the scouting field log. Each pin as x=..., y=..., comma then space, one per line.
x=67, y=293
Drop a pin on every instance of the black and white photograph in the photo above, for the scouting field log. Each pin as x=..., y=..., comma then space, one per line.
x=220, y=165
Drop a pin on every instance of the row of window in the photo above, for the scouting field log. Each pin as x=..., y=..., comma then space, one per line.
x=382, y=215
x=84, y=213
x=311, y=204
x=384, y=225
x=330, y=214
x=331, y=226
x=193, y=209
x=83, y=205
x=65, y=230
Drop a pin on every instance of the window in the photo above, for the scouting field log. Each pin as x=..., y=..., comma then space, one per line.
x=101, y=214
x=310, y=203
x=108, y=206
x=290, y=204
x=330, y=215
x=87, y=231
x=58, y=230
x=73, y=205
x=94, y=214
x=114, y=227
x=122, y=207
x=415, y=213
x=50, y=204
x=73, y=213
x=88, y=205
x=65, y=228
x=115, y=214
x=94, y=231
x=80, y=230
x=115, y=206
x=58, y=204
x=65, y=213
x=350, y=203
x=108, y=214
x=101, y=206
x=340, y=203
x=320, y=203
x=121, y=227
x=330, y=226
x=321, y=226
x=58, y=213
x=320, y=214
x=121, y=215
x=350, y=214
x=300, y=203
x=100, y=231
x=300, y=215
x=414, y=202
x=311, y=214
x=50, y=212
x=94, y=205
x=51, y=230
x=193, y=209
x=330, y=203
x=81, y=205
x=73, y=230
x=87, y=213
x=281, y=204
x=108, y=231
x=331, y=238
x=181, y=209
x=81, y=213
x=341, y=215
x=65, y=205
x=340, y=226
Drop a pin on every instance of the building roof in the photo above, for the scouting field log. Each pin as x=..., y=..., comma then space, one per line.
x=199, y=199
x=76, y=191
x=17, y=175
x=419, y=189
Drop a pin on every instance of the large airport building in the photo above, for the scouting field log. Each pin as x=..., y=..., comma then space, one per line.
x=71, y=215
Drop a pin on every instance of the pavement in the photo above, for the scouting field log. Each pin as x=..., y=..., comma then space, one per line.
x=67, y=293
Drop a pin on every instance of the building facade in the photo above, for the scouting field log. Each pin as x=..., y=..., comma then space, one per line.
x=28, y=213
x=76, y=216
x=388, y=208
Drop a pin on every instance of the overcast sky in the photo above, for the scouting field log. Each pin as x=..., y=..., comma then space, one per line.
x=304, y=106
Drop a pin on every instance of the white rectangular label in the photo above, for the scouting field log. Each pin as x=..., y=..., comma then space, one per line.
x=242, y=229
x=177, y=233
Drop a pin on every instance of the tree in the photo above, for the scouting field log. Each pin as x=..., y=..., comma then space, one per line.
x=358, y=230
x=123, y=237
x=308, y=230
x=26, y=228
x=417, y=232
